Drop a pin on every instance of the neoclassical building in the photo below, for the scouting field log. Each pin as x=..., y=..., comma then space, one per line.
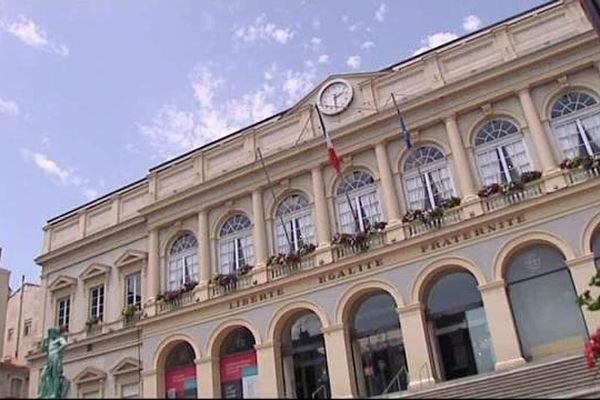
x=454, y=263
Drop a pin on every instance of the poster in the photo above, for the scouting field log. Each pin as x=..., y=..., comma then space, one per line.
x=239, y=376
x=250, y=383
x=180, y=382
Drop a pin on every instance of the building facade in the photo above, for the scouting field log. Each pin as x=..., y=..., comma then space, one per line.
x=458, y=256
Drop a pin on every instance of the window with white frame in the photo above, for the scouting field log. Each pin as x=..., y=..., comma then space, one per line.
x=63, y=309
x=97, y=302
x=576, y=124
x=427, y=180
x=133, y=289
x=183, y=261
x=235, y=244
x=357, y=202
x=294, y=213
x=500, y=151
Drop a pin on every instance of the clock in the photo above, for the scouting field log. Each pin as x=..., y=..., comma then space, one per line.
x=335, y=97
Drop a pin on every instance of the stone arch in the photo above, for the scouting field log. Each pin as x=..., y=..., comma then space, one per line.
x=225, y=215
x=433, y=270
x=524, y=240
x=271, y=206
x=592, y=228
x=172, y=236
x=518, y=120
x=358, y=291
x=219, y=334
x=398, y=162
x=167, y=344
x=288, y=311
x=555, y=94
x=332, y=183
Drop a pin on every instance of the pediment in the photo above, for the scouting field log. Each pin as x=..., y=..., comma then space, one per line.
x=130, y=257
x=126, y=366
x=61, y=282
x=93, y=271
x=89, y=374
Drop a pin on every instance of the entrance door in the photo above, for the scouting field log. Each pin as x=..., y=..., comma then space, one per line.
x=311, y=377
x=455, y=346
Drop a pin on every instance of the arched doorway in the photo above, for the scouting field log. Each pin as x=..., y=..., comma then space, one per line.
x=377, y=346
x=544, y=302
x=180, y=372
x=238, y=370
x=458, y=327
x=304, y=358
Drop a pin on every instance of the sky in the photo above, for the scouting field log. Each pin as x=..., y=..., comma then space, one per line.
x=95, y=93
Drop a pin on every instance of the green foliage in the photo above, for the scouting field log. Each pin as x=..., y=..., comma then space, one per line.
x=586, y=299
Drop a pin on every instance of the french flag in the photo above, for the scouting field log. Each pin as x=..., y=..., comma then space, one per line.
x=333, y=157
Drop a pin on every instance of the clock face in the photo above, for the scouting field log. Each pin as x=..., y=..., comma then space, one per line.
x=335, y=97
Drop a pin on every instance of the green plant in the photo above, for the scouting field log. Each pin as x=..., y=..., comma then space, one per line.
x=130, y=310
x=592, y=347
x=92, y=321
x=171, y=295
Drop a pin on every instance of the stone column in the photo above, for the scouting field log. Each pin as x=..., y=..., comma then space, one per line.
x=582, y=269
x=553, y=178
x=394, y=230
x=501, y=325
x=415, y=344
x=464, y=175
x=269, y=371
x=260, y=236
x=206, y=379
x=339, y=362
x=150, y=385
x=321, y=217
x=204, y=256
x=153, y=273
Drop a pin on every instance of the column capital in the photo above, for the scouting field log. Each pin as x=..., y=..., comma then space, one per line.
x=582, y=261
x=448, y=116
x=523, y=90
x=203, y=360
x=492, y=285
x=411, y=308
x=267, y=345
x=332, y=329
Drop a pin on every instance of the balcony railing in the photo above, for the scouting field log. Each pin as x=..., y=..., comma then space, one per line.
x=182, y=300
x=241, y=282
x=281, y=271
x=579, y=175
x=131, y=320
x=374, y=241
x=498, y=201
x=94, y=330
x=416, y=228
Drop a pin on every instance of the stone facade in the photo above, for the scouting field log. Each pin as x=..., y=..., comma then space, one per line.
x=513, y=71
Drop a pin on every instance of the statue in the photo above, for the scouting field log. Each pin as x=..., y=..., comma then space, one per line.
x=53, y=385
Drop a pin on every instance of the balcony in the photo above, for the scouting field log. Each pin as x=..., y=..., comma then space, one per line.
x=580, y=175
x=351, y=246
x=179, y=301
x=279, y=271
x=131, y=320
x=419, y=227
x=498, y=201
x=233, y=283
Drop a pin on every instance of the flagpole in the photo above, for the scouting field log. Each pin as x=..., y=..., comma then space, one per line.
x=342, y=176
x=262, y=162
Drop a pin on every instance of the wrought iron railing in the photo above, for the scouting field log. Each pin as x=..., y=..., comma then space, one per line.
x=396, y=380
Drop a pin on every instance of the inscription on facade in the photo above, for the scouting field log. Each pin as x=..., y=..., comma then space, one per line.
x=472, y=233
x=349, y=271
x=257, y=298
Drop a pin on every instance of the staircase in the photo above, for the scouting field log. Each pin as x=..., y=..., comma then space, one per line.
x=564, y=378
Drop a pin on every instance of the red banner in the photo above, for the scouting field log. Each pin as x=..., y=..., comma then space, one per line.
x=233, y=366
x=176, y=378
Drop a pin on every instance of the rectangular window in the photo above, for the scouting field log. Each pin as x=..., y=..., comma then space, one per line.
x=97, y=302
x=11, y=331
x=130, y=391
x=133, y=289
x=63, y=309
x=27, y=327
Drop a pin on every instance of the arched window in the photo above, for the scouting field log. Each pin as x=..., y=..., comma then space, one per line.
x=544, y=302
x=458, y=326
x=500, y=151
x=378, y=347
x=235, y=244
x=183, y=261
x=596, y=249
x=238, y=363
x=180, y=373
x=359, y=189
x=304, y=358
x=576, y=124
x=295, y=213
x=426, y=178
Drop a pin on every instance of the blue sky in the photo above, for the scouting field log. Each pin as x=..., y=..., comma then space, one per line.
x=93, y=94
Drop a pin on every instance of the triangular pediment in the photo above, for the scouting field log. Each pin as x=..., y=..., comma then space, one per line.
x=93, y=271
x=130, y=257
x=90, y=374
x=126, y=366
x=61, y=282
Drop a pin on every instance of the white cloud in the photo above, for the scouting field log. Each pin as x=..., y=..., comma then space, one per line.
x=33, y=35
x=323, y=59
x=381, y=12
x=471, y=23
x=60, y=175
x=353, y=62
x=263, y=31
x=297, y=83
x=435, y=40
x=316, y=23
x=367, y=45
x=9, y=107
